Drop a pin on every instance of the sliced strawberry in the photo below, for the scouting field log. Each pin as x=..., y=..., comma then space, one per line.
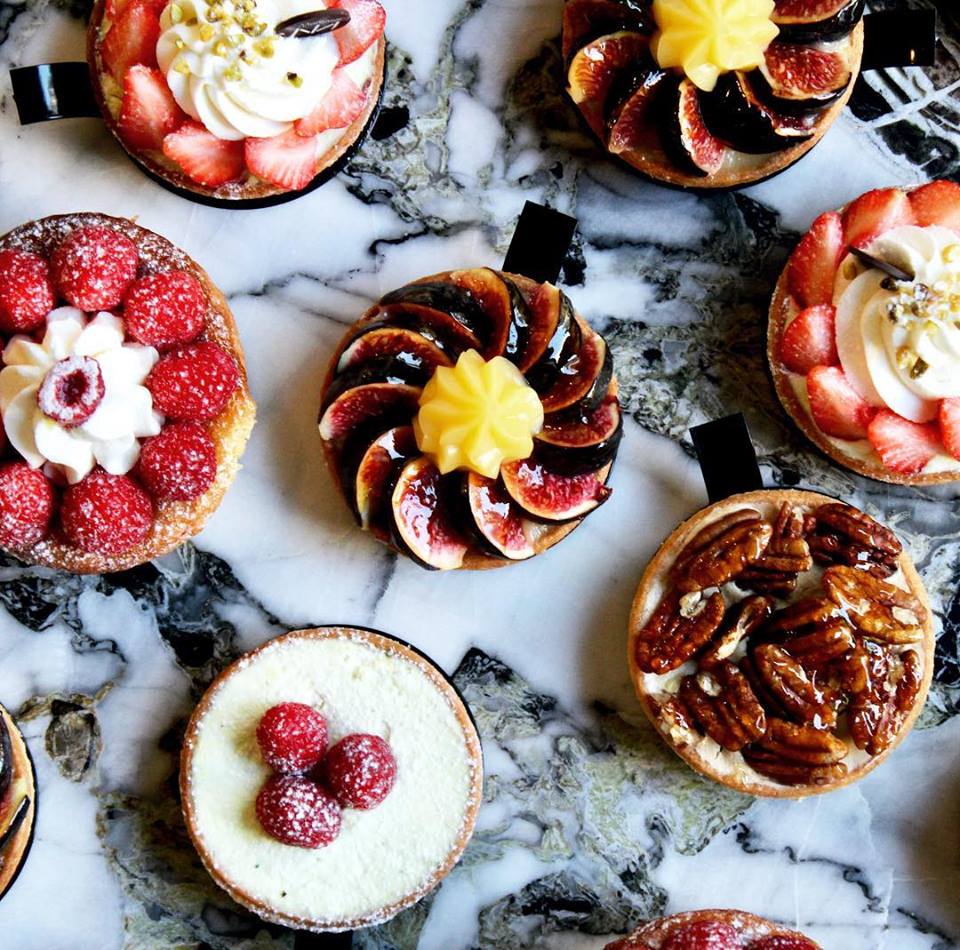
x=837, y=408
x=813, y=265
x=113, y=8
x=810, y=340
x=703, y=935
x=132, y=38
x=343, y=102
x=950, y=426
x=937, y=203
x=874, y=214
x=203, y=157
x=148, y=111
x=288, y=161
x=903, y=446
x=367, y=20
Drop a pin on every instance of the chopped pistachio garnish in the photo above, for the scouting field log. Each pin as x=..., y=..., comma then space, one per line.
x=215, y=13
x=179, y=43
x=232, y=73
x=905, y=358
x=176, y=13
x=235, y=39
x=951, y=253
x=182, y=68
x=295, y=80
x=192, y=21
x=919, y=368
x=221, y=48
x=207, y=32
x=265, y=47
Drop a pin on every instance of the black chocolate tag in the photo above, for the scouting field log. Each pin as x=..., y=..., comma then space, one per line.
x=305, y=940
x=727, y=457
x=540, y=243
x=53, y=91
x=899, y=38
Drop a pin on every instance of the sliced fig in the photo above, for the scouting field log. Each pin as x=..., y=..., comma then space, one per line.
x=585, y=20
x=6, y=757
x=686, y=137
x=441, y=329
x=816, y=21
x=552, y=336
x=795, y=80
x=583, y=380
x=581, y=445
x=376, y=476
x=364, y=410
x=498, y=525
x=630, y=105
x=442, y=296
x=546, y=495
x=423, y=525
x=503, y=306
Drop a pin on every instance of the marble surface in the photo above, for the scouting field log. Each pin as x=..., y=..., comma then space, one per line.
x=590, y=824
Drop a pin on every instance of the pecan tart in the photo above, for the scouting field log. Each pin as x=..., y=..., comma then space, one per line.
x=781, y=642
x=18, y=801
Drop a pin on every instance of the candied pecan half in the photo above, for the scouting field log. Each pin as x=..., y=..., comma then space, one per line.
x=676, y=720
x=826, y=643
x=785, y=558
x=708, y=534
x=880, y=611
x=723, y=703
x=800, y=617
x=788, y=772
x=676, y=630
x=876, y=715
x=740, y=621
x=801, y=743
x=725, y=556
x=845, y=535
x=797, y=693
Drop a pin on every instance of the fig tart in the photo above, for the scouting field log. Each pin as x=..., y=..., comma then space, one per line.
x=471, y=419
x=123, y=394
x=238, y=101
x=331, y=778
x=711, y=93
x=864, y=334
x=781, y=642
x=18, y=801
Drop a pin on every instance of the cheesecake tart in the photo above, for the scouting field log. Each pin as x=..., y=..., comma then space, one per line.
x=713, y=930
x=267, y=798
x=781, y=642
x=18, y=801
x=123, y=394
x=864, y=334
x=238, y=102
x=471, y=419
x=711, y=93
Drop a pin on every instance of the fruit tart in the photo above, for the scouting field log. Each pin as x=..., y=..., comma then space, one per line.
x=18, y=801
x=123, y=394
x=713, y=930
x=864, y=334
x=316, y=797
x=238, y=100
x=471, y=418
x=711, y=93
x=781, y=642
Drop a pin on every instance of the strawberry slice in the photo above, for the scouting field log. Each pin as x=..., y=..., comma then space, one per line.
x=937, y=203
x=875, y=213
x=810, y=340
x=288, y=161
x=950, y=426
x=203, y=157
x=131, y=39
x=903, y=446
x=148, y=112
x=343, y=102
x=367, y=20
x=813, y=265
x=837, y=408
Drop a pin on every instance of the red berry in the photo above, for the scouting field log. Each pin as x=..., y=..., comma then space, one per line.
x=297, y=811
x=193, y=382
x=287, y=160
x=703, y=935
x=782, y=942
x=837, y=408
x=164, y=309
x=813, y=265
x=26, y=505
x=950, y=426
x=937, y=203
x=26, y=293
x=904, y=447
x=360, y=770
x=180, y=463
x=203, y=157
x=342, y=103
x=106, y=514
x=71, y=390
x=132, y=38
x=875, y=213
x=810, y=340
x=148, y=111
x=367, y=20
x=93, y=268
x=292, y=737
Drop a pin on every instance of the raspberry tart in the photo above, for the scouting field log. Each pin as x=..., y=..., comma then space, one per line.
x=711, y=93
x=237, y=102
x=319, y=799
x=471, y=419
x=18, y=801
x=864, y=334
x=713, y=930
x=123, y=394
x=781, y=642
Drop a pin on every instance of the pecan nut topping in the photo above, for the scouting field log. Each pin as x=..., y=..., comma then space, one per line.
x=786, y=557
x=725, y=556
x=877, y=713
x=794, y=691
x=676, y=631
x=800, y=617
x=842, y=534
x=724, y=705
x=801, y=743
x=708, y=534
x=879, y=610
x=829, y=642
x=787, y=772
x=741, y=620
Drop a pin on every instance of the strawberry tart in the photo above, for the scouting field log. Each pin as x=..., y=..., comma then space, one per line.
x=238, y=102
x=123, y=394
x=713, y=930
x=18, y=801
x=864, y=334
x=330, y=778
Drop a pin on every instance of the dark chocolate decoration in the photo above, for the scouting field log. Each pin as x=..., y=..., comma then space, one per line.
x=899, y=38
x=314, y=23
x=727, y=457
x=891, y=270
x=305, y=940
x=53, y=91
x=540, y=243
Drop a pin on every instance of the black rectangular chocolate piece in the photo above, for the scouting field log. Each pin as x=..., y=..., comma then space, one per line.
x=305, y=940
x=540, y=243
x=899, y=38
x=53, y=91
x=727, y=457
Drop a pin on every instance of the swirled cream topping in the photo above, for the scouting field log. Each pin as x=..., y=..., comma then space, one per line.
x=109, y=437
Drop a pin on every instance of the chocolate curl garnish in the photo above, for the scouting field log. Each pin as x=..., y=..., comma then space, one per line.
x=891, y=270
x=728, y=460
x=314, y=23
x=540, y=243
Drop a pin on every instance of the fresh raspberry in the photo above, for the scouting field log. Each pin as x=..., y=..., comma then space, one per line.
x=71, y=390
x=106, y=514
x=193, y=382
x=26, y=292
x=782, y=942
x=165, y=309
x=292, y=737
x=26, y=505
x=703, y=935
x=360, y=770
x=180, y=463
x=297, y=811
x=93, y=268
